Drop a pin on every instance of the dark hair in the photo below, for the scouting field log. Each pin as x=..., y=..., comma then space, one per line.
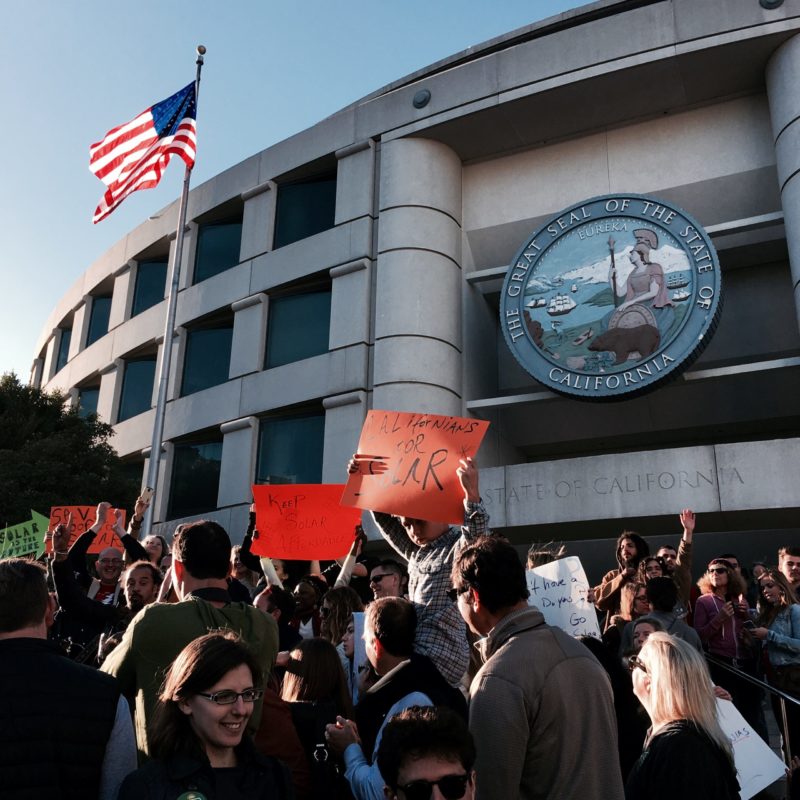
x=627, y=598
x=788, y=551
x=343, y=601
x=736, y=585
x=155, y=572
x=196, y=669
x=419, y=732
x=23, y=594
x=204, y=549
x=492, y=567
x=766, y=611
x=395, y=567
x=314, y=674
x=641, y=570
x=540, y=553
x=164, y=545
x=726, y=556
x=642, y=548
x=284, y=601
x=662, y=594
x=316, y=583
x=393, y=622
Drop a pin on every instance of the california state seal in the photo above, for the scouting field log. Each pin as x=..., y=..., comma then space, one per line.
x=612, y=297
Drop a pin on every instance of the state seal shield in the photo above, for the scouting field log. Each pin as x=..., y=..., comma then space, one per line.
x=612, y=297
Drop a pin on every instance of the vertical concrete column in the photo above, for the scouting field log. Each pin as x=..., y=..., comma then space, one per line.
x=51, y=355
x=418, y=287
x=37, y=369
x=80, y=327
x=344, y=418
x=110, y=390
x=249, y=335
x=783, y=91
x=161, y=497
x=120, y=300
x=239, y=445
x=258, y=220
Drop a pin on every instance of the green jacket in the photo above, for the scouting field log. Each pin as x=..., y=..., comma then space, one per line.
x=160, y=631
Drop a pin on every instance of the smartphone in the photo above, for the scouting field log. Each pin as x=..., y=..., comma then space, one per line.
x=749, y=625
x=147, y=494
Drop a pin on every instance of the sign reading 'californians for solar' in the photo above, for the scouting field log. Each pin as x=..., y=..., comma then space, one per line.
x=612, y=297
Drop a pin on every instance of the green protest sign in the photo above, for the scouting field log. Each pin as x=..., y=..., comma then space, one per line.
x=24, y=538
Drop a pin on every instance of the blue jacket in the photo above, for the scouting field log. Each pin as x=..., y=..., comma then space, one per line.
x=783, y=638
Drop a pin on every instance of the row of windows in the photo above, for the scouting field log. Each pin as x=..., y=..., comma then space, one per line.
x=303, y=208
x=289, y=451
x=298, y=328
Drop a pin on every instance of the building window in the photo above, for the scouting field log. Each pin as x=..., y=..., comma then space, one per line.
x=195, y=478
x=298, y=328
x=218, y=246
x=98, y=319
x=136, y=396
x=290, y=449
x=151, y=278
x=87, y=400
x=304, y=208
x=63, y=348
x=207, y=359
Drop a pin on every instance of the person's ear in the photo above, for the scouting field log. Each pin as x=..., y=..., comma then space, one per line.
x=379, y=651
x=474, y=599
x=50, y=611
x=184, y=706
x=177, y=570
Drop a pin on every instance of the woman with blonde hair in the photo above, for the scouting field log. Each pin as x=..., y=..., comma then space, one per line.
x=672, y=682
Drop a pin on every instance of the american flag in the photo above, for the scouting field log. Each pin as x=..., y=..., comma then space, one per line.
x=134, y=155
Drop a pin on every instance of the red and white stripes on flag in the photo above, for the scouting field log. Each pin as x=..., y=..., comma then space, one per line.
x=134, y=156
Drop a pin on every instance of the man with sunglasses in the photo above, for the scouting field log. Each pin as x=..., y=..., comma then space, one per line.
x=427, y=753
x=541, y=707
x=387, y=579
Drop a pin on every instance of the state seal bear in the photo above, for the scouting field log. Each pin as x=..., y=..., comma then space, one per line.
x=643, y=339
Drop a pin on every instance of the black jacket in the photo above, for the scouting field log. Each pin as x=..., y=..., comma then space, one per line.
x=262, y=778
x=55, y=719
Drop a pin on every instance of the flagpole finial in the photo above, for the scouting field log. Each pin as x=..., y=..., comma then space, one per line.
x=201, y=50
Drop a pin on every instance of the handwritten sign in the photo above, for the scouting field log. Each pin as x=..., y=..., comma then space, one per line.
x=303, y=521
x=757, y=766
x=24, y=538
x=421, y=453
x=83, y=517
x=559, y=590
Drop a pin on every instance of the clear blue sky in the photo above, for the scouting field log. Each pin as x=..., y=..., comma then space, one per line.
x=72, y=69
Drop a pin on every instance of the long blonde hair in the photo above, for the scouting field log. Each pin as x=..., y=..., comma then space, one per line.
x=681, y=688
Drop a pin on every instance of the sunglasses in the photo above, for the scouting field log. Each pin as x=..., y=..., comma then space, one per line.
x=634, y=662
x=718, y=570
x=451, y=787
x=454, y=593
x=379, y=578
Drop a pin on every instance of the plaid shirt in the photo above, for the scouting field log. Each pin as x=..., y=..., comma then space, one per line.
x=441, y=632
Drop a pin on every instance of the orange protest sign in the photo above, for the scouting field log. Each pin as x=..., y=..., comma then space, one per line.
x=83, y=517
x=303, y=521
x=411, y=469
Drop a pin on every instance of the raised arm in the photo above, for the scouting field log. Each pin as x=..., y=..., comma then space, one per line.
x=476, y=518
x=80, y=547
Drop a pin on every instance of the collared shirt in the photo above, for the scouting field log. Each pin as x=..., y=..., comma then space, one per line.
x=441, y=632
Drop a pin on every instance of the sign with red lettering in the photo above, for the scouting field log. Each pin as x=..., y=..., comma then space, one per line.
x=83, y=517
x=303, y=521
x=411, y=467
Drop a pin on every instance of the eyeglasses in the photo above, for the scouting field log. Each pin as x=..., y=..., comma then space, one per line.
x=227, y=697
x=452, y=787
x=718, y=570
x=109, y=562
x=379, y=578
x=634, y=662
x=454, y=593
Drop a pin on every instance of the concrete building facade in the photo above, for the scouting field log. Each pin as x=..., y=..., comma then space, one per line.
x=359, y=263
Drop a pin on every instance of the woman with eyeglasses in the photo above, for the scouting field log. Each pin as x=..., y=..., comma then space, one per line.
x=672, y=682
x=778, y=627
x=197, y=738
x=720, y=614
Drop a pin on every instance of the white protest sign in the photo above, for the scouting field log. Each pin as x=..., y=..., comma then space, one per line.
x=360, y=662
x=559, y=590
x=757, y=766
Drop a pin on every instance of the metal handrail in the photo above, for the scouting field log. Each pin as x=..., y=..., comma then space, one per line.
x=782, y=696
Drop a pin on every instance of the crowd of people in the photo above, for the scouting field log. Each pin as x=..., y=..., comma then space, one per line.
x=197, y=669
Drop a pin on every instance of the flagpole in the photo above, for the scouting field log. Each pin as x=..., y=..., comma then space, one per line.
x=169, y=326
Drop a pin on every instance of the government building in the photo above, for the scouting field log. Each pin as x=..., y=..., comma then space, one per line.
x=361, y=263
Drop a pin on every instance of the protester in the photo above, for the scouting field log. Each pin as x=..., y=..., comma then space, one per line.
x=641, y=630
x=157, y=549
x=778, y=627
x=423, y=748
x=141, y=580
x=198, y=739
x=388, y=579
x=336, y=611
x=568, y=746
x=678, y=564
x=430, y=548
x=671, y=680
x=789, y=565
x=280, y=605
x=633, y=604
x=315, y=689
x=649, y=568
x=540, y=554
x=247, y=577
x=631, y=549
x=65, y=730
x=201, y=559
x=754, y=585
x=720, y=614
x=406, y=679
x=307, y=620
